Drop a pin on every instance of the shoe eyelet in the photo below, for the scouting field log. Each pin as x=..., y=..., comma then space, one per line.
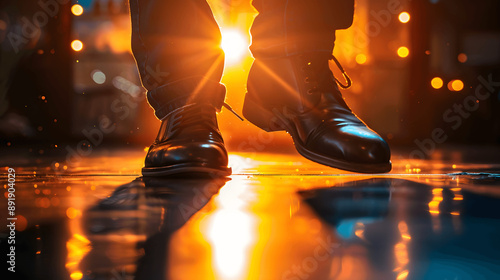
x=310, y=92
x=306, y=80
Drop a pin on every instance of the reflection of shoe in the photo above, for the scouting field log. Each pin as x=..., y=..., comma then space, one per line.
x=365, y=199
x=182, y=197
x=189, y=141
x=149, y=204
x=299, y=94
x=126, y=209
x=137, y=219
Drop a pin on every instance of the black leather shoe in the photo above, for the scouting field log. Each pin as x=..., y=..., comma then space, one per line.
x=299, y=94
x=189, y=141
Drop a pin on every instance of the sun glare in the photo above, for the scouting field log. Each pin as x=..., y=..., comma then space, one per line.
x=234, y=44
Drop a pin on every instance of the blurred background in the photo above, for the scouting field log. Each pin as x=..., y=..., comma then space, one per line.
x=422, y=70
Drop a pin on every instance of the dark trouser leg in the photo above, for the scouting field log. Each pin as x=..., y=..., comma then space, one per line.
x=176, y=46
x=289, y=27
x=291, y=87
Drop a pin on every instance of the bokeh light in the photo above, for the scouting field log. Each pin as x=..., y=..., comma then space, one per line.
x=98, y=77
x=456, y=85
x=21, y=223
x=404, y=17
x=437, y=83
x=73, y=213
x=77, y=45
x=403, y=52
x=361, y=58
x=77, y=10
x=462, y=57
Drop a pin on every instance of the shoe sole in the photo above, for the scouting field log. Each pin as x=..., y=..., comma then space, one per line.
x=183, y=170
x=275, y=121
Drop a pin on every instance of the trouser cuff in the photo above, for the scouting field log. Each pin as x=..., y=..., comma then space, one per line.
x=171, y=96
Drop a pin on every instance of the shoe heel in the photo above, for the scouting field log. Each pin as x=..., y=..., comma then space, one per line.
x=260, y=116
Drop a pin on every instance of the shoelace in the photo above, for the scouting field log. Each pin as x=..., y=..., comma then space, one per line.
x=320, y=87
x=346, y=77
x=227, y=106
x=344, y=86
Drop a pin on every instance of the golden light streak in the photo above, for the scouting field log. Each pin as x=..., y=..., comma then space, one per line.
x=278, y=79
x=209, y=73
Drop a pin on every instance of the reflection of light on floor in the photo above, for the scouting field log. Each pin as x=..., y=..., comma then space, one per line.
x=402, y=275
x=231, y=231
x=359, y=230
x=76, y=275
x=401, y=251
x=78, y=246
x=240, y=164
x=455, y=215
x=436, y=200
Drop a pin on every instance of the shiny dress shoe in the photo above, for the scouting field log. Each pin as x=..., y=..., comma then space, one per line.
x=189, y=142
x=299, y=94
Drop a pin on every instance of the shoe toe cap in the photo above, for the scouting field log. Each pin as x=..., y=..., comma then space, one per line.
x=356, y=144
x=193, y=153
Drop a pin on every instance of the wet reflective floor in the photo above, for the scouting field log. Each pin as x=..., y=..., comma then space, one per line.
x=278, y=217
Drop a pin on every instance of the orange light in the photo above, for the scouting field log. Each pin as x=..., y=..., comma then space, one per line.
x=73, y=213
x=456, y=85
x=403, y=52
x=436, y=200
x=437, y=83
x=462, y=58
x=77, y=45
x=404, y=17
x=76, y=275
x=402, y=275
x=361, y=58
x=77, y=10
x=234, y=44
